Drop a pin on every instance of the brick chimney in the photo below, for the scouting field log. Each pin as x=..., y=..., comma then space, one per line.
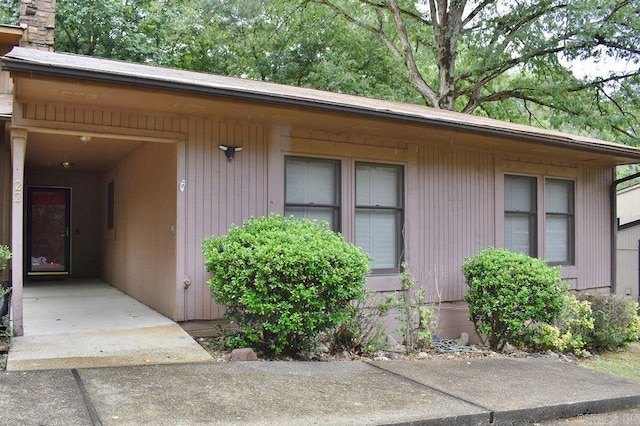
x=37, y=19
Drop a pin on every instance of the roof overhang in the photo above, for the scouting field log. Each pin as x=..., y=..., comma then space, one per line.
x=10, y=36
x=68, y=66
x=632, y=224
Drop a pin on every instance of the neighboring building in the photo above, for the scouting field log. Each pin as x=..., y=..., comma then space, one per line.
x=628, y=242
x=628, y=204
x=122, y=163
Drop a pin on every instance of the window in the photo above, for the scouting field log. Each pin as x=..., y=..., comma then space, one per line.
x=110, y=205
x=559, y=221
x=312, y=190
x=524, y=198
x=379, y=214
x=520, y=211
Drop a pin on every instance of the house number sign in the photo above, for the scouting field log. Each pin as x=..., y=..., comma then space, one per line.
x=17, y=192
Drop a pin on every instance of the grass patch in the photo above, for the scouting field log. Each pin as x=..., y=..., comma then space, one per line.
x=623, y=363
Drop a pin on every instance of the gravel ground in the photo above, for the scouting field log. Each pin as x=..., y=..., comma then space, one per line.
x=214, y=346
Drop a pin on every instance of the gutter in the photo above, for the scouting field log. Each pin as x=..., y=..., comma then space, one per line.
x=629, y=225
x=30, y=67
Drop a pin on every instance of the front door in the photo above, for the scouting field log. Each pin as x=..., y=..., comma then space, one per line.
x=48, y=242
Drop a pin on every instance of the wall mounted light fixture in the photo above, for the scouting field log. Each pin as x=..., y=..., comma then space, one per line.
x=229, y=151
x=85, y=139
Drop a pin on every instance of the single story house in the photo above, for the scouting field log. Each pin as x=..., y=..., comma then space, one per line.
x=119, y=170
x=628, y=242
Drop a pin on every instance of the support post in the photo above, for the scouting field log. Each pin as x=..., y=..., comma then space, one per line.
x=18, y=149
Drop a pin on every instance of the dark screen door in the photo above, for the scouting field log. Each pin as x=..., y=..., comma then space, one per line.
x=48, y=217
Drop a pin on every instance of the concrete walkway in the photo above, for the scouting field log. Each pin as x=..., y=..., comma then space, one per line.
x=88, y=323
x=433, y=392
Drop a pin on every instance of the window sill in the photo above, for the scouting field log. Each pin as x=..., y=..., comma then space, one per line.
x=568, y=272
x=389, y=282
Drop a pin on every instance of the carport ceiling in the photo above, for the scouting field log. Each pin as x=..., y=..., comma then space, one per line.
x=47, y=151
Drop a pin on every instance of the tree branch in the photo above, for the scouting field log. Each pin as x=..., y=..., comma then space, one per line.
x=600, y=81
x=479, y=8
x=408, y=58
x=617, y=46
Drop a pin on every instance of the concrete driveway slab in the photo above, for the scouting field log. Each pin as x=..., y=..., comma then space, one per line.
x=522, y=390
x=268, y=393
x=42, y=398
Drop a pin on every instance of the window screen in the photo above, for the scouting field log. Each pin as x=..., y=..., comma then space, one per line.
x=520, y=222
x=379, y=214
x=559, y=221
x=312, y=189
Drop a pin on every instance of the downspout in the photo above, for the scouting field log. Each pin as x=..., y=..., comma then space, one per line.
x=614, y=230
x=613, y=203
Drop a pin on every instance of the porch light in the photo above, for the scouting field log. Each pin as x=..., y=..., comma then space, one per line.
x=229, y=151
x=85, y=139
x=66, y=164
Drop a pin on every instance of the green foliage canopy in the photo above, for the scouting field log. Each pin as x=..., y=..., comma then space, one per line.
x=9, y=12
x=514, y=60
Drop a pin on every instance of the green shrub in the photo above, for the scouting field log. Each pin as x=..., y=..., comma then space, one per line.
x=5, y=255
x=616, y=321
x=509, y=291
x=567, y=334
x=284, y=280
x=365, y=332
x=418, y=317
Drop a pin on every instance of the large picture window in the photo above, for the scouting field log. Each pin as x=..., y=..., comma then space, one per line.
x=531, y=199
x=379, y=214
x=312, y=190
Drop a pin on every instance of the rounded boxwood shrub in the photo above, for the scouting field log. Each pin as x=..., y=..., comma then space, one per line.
x=508, y=292
x=284, y=280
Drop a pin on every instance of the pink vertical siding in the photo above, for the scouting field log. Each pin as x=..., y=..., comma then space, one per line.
x=140, y=259
x=593, y=227
x=220, y=192
x=449, y=205
x=452, y=195
x=456, y=214
x=628, y=262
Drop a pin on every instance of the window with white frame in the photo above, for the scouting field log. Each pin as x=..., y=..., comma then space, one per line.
x=379, y=214
x=529, y=200
x=312, y=190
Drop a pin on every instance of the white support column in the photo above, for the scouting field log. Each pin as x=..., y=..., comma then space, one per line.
x=18, y=149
